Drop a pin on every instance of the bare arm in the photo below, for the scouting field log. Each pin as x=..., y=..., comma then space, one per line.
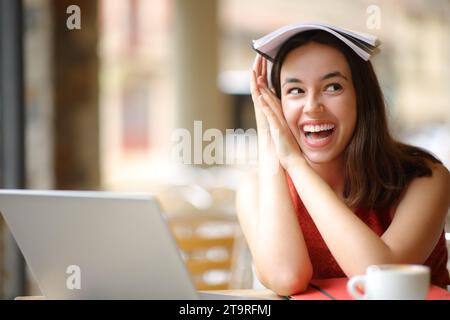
x=411, y=237
x=267, y=215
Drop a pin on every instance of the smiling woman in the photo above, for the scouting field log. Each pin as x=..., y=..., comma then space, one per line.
x=323, y=79
x=347, y=195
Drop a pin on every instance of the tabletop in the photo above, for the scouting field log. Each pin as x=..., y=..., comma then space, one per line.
x=319, y=289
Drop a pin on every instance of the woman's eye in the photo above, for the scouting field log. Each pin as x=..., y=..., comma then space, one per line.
x=333, y=87
x=295, y=91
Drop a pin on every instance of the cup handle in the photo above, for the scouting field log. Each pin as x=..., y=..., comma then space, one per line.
x=351, y=287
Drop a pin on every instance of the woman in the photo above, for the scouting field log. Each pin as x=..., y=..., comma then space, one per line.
x=346, y=195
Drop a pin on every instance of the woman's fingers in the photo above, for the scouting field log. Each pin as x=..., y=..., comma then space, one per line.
x=275, y=126
x=263, y=74
x=268, y=112
x=282, y=138
x=257, y=65
x=261, y=121
x=264, y=70
x=259, y=76
x=254, y=78
x=272, y=101
x=253, y=86
x=271, y=112
x=260, y=88
x=255, y=89
x=255, y=62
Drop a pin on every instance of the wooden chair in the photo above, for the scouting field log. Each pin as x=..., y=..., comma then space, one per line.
x=207, y=242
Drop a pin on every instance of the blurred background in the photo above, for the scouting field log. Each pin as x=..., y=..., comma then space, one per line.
x=101, y=105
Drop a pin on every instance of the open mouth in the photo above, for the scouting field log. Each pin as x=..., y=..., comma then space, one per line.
x=318, y=132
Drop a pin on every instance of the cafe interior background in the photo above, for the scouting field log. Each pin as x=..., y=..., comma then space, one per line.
x=103, y=105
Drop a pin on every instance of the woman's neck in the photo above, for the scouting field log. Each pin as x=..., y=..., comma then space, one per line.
x=332, y=173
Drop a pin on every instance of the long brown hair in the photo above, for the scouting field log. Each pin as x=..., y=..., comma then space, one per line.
x=378, y=168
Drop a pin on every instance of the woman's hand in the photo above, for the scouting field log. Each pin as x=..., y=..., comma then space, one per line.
x=286, y=146
x=259, y=73
x=267, y=158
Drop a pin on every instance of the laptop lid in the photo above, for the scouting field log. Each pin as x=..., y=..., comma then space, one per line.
x=96, y=245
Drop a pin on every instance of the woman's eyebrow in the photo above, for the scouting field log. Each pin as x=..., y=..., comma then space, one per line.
x=291, y=80
x=334, y=74
x=325, y=77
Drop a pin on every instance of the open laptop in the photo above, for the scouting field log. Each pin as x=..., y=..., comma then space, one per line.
x=98, y=245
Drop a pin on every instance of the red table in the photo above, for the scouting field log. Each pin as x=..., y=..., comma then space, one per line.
x=336, y=289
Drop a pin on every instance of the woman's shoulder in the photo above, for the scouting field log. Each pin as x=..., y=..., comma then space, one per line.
x=441, y=179
x=439, y=168
x=440, y=176
x=434, y=187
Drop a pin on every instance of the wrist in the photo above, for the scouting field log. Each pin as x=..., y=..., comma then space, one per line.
x=296, y=162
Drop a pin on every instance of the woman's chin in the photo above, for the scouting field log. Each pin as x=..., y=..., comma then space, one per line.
x=318, y=158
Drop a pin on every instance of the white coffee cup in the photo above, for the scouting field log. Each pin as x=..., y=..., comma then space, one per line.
x=392, y=282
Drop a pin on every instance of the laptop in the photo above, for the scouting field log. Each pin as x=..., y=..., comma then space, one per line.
x=98, y=245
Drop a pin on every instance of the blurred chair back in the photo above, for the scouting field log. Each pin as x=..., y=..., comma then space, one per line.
x=207, y=242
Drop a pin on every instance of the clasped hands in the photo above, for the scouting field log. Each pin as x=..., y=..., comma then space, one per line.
x=270, y=118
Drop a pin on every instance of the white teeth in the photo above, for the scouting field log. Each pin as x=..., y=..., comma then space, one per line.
x=317, y=128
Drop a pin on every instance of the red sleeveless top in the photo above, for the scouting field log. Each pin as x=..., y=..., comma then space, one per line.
x=323, y=262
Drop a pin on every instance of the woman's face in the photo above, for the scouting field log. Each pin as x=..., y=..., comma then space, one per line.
x=318, y=100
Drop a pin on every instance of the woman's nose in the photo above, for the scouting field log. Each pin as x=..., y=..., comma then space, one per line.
x=312, y=104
